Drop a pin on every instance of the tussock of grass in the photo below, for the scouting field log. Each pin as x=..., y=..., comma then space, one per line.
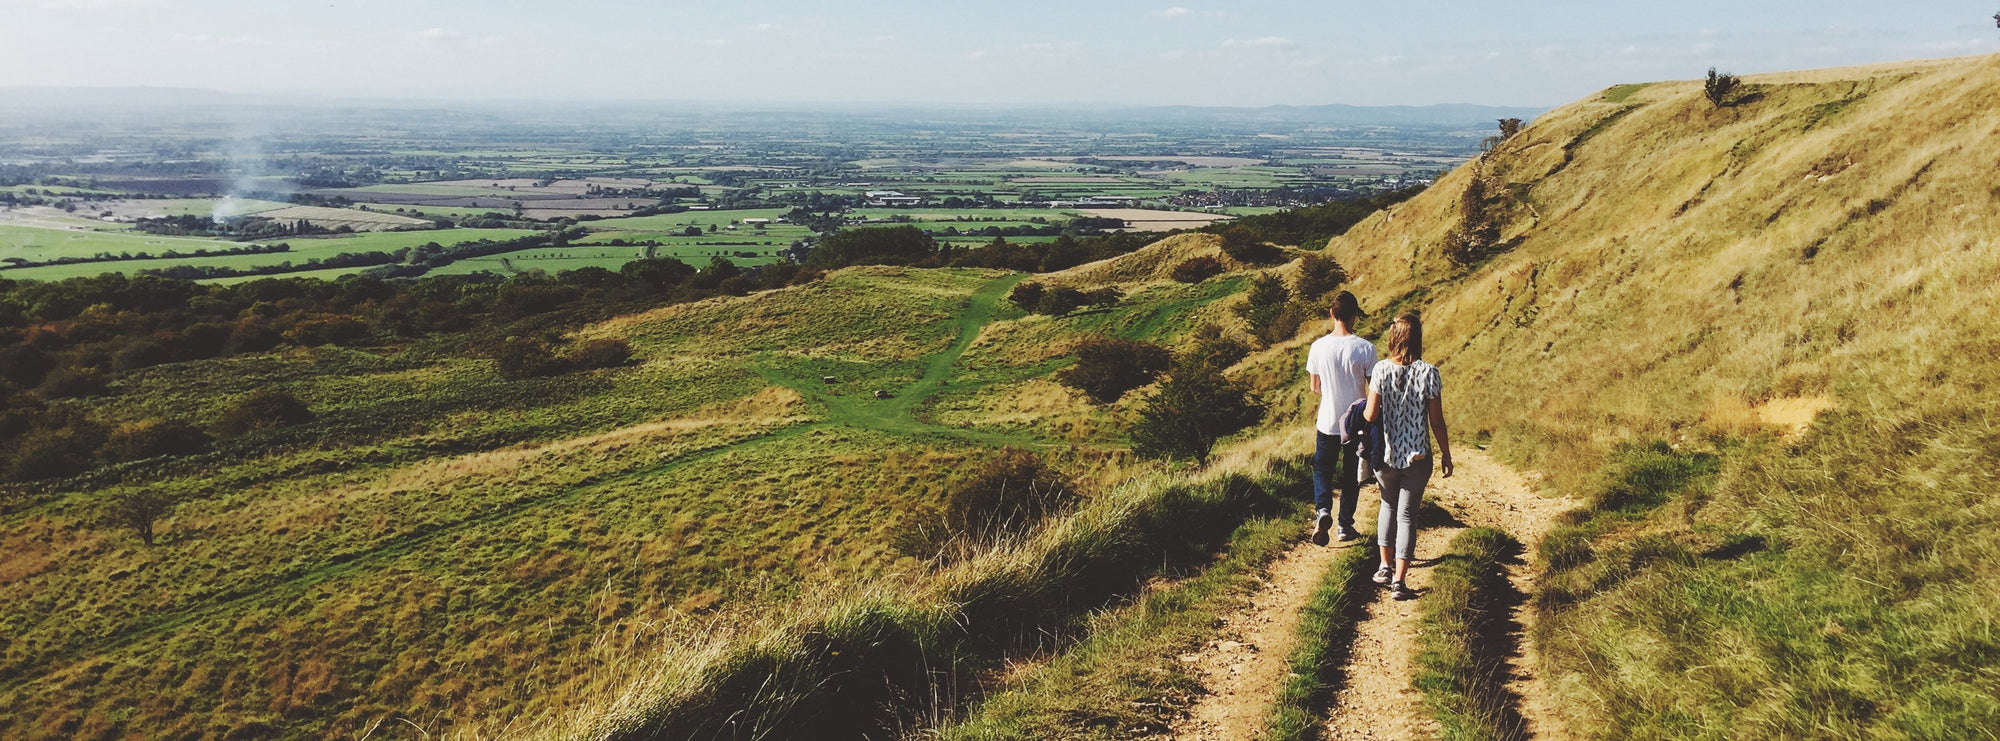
x=1463, y=633
x=1325, y=634
x=840, y=668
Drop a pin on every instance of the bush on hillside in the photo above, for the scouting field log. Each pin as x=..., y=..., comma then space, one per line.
x=263, y=409
x=605, y=352
x=1213, y=351
x=151, y=438
x=1026, y=295
x=73, y=383
x=527, y=357
x=895, y=245
x=1060, y=301
x=1718, y=87
x=1107, y=367
x=1317, y=276
x=1269, y=310
x=63, y=446
x=1006, y=495
x=1197, y=269
x=24, y=366
x=1195, y=407
x=1245, y=246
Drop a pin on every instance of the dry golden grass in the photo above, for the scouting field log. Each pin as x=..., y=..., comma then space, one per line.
x=1803, y=283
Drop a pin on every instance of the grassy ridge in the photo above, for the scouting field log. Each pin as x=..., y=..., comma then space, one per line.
x=1462, y=667
x=1762, y=337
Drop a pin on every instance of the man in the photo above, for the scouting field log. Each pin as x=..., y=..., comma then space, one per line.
x=1339, y=364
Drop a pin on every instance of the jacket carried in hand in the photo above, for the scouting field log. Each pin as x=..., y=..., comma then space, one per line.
x=1355, y=426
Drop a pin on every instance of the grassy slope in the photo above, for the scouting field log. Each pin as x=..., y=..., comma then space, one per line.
x=444, y=545
x=1700, y=276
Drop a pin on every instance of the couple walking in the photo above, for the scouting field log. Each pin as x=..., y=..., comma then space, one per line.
x=1379, y=415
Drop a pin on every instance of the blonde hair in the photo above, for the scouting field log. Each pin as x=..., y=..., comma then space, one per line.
x=1406, y=339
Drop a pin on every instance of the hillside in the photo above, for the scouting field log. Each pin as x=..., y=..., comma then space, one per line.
x=1761, y=338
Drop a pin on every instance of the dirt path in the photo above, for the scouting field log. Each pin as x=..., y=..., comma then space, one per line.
x=1244, y=666
x=1377, y=701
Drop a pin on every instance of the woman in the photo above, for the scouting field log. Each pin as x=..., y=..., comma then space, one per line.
x=1404, y=394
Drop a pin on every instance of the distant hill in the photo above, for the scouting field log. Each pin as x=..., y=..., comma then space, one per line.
x=1771, y=324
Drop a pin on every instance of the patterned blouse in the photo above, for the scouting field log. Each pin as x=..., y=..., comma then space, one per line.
x=1406, y=430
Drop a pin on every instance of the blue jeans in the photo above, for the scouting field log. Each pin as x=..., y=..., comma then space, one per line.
x=1334, y=466
x=1402, y=494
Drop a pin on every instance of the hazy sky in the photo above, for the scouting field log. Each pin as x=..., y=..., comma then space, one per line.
x=1254, y=52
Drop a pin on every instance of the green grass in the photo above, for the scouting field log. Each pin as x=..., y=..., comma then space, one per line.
x=1622, y=93
x=1462, y=664
x=40, y=243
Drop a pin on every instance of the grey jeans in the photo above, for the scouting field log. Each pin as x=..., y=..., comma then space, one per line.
x=1402, y=492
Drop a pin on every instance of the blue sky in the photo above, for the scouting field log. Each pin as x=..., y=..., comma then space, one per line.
x=1256, y=52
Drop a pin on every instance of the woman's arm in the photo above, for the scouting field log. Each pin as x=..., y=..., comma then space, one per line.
x=1374, y=411
x=1434, y=409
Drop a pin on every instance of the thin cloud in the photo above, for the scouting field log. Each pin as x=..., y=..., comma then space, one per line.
x=439, y=36
x=84, y=5
x=1177, y=13
x=1261, y=42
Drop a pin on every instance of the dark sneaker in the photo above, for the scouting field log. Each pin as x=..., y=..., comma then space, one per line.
x=1320, y=528
x=1400, y=590
x=1381, y=575
x=1348, y=534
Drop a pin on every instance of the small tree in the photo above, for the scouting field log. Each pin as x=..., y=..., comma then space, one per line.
x=262, y=409
x=1197, y=269
x=1246, y=246
x=1265, y=306
x=1026, y=296
x=1060, y=301
x=1718, y=87
x=1317, y=277
x=1509, y=127
x=1195, y=407
x=139, y=510
x=1107, y=367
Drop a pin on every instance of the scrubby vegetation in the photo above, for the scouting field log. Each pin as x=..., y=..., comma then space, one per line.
x=1462, y=667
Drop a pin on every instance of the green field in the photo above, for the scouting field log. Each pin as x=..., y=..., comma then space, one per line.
x=38, y=243
x=42, y=243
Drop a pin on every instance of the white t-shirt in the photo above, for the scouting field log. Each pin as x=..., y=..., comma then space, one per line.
x=1342, y=363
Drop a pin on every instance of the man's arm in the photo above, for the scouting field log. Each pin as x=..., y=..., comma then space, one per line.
x=1315, y=377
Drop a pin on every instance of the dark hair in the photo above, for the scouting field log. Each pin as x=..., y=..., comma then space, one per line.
x=1406, y=339
x=1345, y=308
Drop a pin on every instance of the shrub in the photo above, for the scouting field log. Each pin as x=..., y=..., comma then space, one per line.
x=1213, y=351
x=263, y=409
x=73, y=383
x=601, y=353
x=1006, y=495
x=251, y=336
x=24, y=366
x=896, y=245
x=1244, y=246
x=1026, y=296
x=1317, y=277
x=1197, y=269
x=526, y=357
x=1107, y=367
x=1269, y=311
x=1718, y=87
x=63, y=448
x=1193, y=408
x=149, y=438
x=1060, y=301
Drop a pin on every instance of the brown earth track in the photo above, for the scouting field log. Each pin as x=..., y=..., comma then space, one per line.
x=1243, y=667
